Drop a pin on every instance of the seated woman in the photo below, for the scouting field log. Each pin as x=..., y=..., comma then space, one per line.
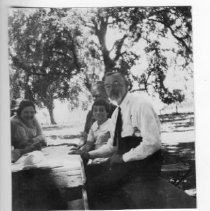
x=101, y=130
x=26, y=133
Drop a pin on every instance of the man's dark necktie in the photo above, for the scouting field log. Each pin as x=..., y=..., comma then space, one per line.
x=118, y=129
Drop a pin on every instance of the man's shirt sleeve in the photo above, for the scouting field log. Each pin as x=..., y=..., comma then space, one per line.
x=149, y=126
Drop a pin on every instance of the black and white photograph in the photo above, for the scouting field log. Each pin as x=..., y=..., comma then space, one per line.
x=102, y=111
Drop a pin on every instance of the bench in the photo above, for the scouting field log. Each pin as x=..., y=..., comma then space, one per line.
x=157, y=193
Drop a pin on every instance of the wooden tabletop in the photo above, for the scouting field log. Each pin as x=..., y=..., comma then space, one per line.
x=49, y=179
x=54, y=180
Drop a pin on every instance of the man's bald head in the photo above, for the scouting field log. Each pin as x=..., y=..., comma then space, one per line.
x=98, y=91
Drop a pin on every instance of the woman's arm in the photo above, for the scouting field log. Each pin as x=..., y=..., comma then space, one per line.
x=19, y=136
x=87, y=147
x=20, y=139
x=40, y=138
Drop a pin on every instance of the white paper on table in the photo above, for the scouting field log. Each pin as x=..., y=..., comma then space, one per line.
x=38, y=159
x=29, y=160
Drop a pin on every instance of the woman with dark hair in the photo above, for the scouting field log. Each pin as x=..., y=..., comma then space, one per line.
x=26, y=133
x=98, y=93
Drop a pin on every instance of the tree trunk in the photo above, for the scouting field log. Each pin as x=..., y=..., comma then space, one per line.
x=28, y=93
x=50, y=106
x=176, y=109
x=52, y=120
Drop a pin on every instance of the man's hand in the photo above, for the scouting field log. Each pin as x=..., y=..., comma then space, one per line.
x=116, y=159
x=75, y=152
x=84, y=155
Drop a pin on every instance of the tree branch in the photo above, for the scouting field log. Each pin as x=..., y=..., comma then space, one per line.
x=119, y=44
x=76, y=60
x=85, y=23
x=120, y=55
x=180, y=39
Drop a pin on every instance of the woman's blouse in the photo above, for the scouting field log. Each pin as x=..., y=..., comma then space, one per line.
x=23, y=135
x=99, y=134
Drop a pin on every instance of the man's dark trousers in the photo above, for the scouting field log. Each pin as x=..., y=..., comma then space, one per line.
x=104, y=180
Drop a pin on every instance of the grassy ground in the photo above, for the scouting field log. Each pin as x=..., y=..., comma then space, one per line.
x=178, y=144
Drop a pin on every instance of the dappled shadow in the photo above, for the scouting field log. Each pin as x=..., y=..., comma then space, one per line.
x=175, y=117
x=184, y=152
x=181, y=130
x=181, y=153
x=183, y=122
x=56, y=127
x=55, y=137
x=178, y=130
x=63, y=144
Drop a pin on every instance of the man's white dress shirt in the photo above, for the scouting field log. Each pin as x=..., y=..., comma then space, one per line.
x=137, y=115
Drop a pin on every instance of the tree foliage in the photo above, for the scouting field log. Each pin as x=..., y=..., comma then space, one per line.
x=152, y=26
x=47, y=53
x=48, y=47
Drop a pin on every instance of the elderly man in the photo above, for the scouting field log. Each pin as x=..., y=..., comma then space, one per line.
x=135, y=147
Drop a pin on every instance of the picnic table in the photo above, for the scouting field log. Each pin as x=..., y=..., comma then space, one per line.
x=49, y=180
x=55, y=181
